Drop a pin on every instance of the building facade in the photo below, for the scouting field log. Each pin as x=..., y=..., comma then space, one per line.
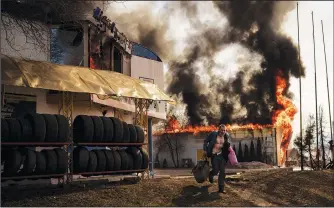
x=81, y=44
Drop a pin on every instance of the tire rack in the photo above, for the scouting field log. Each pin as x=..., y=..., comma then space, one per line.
x=141, y=119
x=34, y=144
x=110, y=145
x=65, y=107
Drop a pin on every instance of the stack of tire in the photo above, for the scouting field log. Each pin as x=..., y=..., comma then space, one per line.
x=98, y=129
x=35, y=128
x=132, y=158
x=26, y=162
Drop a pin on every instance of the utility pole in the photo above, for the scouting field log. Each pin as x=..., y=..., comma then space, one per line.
x=300, y=99
x=329, y=103
x=316, y=97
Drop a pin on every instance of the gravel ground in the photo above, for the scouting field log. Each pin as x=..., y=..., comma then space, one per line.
x=267, y=188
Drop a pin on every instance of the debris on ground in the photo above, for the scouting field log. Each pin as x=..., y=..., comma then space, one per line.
x=276, y=187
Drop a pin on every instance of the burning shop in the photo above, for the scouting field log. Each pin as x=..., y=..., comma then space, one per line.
x=252, y=142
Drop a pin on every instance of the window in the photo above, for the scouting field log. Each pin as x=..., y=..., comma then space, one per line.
x=99, y=50
x=139, y=50
x=66, y=45
x=56, y=52
x=117, y=60
x=104, y=53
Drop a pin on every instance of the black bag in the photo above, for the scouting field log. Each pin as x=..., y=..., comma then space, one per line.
x=201, y=171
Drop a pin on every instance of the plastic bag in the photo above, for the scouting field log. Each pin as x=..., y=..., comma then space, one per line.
x=201, y=171
x=232, y=157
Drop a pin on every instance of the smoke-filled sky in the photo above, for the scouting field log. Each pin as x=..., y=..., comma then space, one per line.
x=215, y=48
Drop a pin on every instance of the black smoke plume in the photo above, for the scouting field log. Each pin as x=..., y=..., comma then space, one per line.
x=256, y=26
x=142, y=27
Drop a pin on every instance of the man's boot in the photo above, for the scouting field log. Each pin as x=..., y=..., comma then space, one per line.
x=210, y=178
x=221, y=190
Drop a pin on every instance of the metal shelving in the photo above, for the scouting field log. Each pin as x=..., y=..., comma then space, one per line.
x=33, y=176
x=110, y=144
x=66, y=108
x=110, y=172
x=36, y=144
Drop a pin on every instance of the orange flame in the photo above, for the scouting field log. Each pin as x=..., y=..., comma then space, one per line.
x=172, y=124
x=281, y=119
x=173, y=127
x=91, y=63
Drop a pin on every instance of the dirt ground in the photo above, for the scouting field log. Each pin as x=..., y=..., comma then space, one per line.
x=267, y=188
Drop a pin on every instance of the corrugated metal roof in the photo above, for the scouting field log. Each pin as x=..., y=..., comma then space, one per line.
x=46, y=75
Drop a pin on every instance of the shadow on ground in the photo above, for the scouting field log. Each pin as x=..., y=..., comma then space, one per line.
x=192, y=195
x=10, y=193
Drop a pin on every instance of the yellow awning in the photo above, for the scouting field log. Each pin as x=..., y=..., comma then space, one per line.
x=46, y=75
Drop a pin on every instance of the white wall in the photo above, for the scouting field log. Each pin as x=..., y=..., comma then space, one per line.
x=190, y=146
x=79, y=107
x=143, y=67
x=147, y=68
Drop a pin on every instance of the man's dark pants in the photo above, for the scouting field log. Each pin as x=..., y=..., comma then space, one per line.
x=218, y=166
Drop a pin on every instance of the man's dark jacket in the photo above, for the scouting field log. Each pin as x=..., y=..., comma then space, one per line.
x=210, y=142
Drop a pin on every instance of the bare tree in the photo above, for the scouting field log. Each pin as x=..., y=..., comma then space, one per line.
x=298, y=143
x=309, y=138
x=322, y=134
x=31, y=19
x=172, y=140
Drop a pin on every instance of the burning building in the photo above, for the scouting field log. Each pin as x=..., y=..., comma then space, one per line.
x=258, y=95
x=265, y=140
x=98, y=44
x=189, y=140
x=77, y=40
x=261, y=93
x=276, y=136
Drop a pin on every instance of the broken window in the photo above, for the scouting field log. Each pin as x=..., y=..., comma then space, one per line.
x=117, y=60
